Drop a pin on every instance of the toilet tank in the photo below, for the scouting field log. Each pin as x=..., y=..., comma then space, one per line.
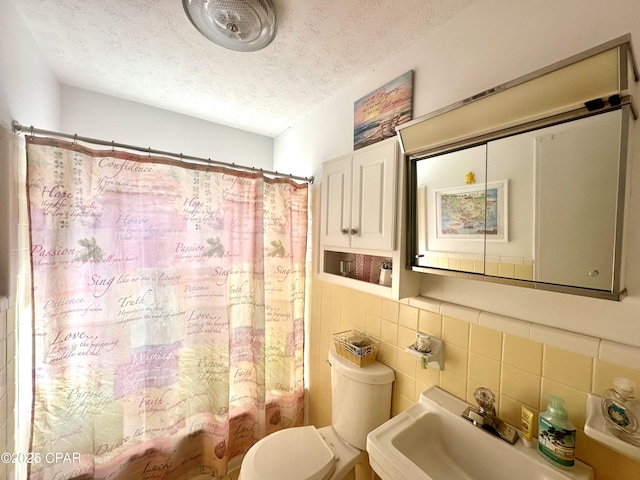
x=360, y=398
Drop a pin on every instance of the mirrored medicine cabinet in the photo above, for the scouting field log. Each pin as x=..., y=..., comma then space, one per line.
x=526, y=184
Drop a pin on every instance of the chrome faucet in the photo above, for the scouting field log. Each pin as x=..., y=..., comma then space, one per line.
x=484, y=416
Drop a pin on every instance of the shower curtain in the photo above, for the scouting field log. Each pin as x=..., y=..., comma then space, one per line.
x=168, y=312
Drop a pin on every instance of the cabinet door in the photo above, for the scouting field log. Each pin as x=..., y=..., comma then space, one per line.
x=577, y=201
x=374, y=201
x=336, y=202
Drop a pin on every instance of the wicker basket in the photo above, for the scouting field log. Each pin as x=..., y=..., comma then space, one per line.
x=356, y=346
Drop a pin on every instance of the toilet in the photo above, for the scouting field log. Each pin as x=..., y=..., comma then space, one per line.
x=360, y=400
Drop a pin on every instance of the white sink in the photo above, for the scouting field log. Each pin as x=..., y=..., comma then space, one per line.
x=431, y=441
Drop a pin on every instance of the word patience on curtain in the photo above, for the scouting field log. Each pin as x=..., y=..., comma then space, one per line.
x=168, y=306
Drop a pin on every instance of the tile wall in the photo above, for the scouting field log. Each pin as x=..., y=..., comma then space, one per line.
x=15, y=307
x=8, y=298
x=504, y=267
x=511, y=357
x=7, y=383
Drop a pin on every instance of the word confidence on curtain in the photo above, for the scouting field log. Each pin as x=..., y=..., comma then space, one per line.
x=168, y=312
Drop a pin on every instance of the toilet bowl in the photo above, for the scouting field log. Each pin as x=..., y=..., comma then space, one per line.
x=361, y=401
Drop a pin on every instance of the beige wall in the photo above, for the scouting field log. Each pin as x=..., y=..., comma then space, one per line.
x=519, y=370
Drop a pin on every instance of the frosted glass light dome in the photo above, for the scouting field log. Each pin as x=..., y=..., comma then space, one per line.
x=240, y=25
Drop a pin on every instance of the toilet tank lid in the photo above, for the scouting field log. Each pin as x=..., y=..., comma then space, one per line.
x=375, y=373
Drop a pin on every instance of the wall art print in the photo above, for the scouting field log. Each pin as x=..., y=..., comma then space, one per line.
x=376, y=115
x=473, y=212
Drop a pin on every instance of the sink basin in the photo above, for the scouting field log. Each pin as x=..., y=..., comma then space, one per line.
x=431, y=441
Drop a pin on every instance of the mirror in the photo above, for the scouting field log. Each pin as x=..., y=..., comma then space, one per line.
x=541, y=208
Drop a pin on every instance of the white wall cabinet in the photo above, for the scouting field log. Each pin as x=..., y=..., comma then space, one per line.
x=364, y=192
x=359, y=198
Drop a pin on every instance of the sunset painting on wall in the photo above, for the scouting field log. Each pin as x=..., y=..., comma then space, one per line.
x=376, y=115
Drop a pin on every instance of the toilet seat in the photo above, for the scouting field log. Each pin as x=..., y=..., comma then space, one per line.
x=306, y=456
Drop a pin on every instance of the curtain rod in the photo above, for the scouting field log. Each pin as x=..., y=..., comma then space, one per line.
x=18, y=128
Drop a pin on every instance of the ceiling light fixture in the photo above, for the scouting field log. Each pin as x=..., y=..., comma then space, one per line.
x=240, y=25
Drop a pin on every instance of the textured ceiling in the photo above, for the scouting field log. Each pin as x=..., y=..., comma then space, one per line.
x=148, y=51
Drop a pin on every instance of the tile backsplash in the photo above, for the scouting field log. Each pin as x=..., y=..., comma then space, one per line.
x=7, y=383
x=511, y=357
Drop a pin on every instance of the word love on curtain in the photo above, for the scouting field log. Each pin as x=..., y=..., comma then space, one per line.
x=168, y=312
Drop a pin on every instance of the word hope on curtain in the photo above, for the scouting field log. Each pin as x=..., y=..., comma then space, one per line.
x=168, y=304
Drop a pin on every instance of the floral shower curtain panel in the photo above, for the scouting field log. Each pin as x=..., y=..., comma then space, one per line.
x=168, y=312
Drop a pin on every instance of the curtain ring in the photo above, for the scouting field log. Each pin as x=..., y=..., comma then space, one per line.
x=75, y=140
x=113, y=147
x=149, y=150
x=32, y=130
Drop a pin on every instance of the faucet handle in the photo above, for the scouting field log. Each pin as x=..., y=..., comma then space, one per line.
x=485, y=400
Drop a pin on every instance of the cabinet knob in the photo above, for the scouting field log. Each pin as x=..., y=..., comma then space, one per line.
x=344, y=231
x=354, y=231
x=594, y=273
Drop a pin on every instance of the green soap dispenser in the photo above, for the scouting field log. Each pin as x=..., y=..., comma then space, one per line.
x=557, y=435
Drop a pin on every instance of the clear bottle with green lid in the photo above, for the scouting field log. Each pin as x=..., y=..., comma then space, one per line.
x=556, y=434
x=621, y=410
